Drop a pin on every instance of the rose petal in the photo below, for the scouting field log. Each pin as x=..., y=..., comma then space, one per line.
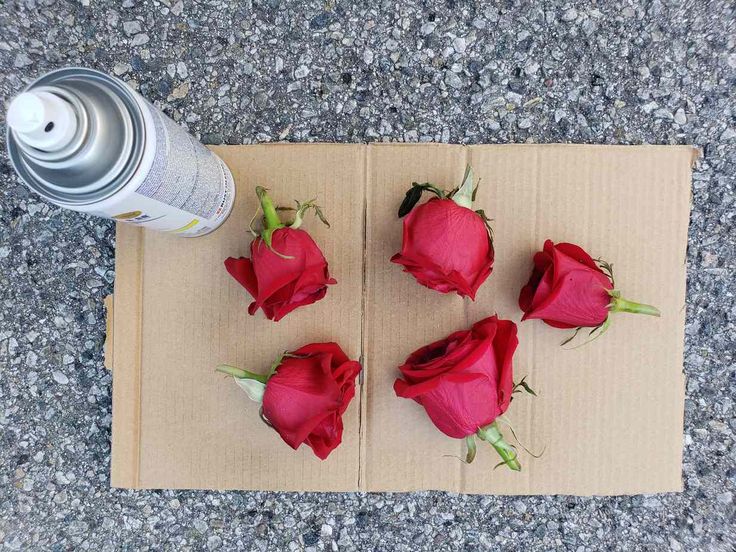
x=578, y=299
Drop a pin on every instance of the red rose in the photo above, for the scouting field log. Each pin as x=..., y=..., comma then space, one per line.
x=291, y=273
x=286, y=268
x=568, y=289
x=465, y=381
x=446, y=245
x=307, y=395
x=304, y=397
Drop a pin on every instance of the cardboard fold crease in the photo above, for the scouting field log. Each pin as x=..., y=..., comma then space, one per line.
x=177, y=314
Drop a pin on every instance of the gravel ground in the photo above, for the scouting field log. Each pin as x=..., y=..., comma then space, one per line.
x=506, y=71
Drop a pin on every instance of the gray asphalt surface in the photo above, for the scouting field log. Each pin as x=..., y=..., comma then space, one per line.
x=255, y=71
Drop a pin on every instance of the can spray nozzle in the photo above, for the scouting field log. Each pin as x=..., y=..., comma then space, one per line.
x=42, y=120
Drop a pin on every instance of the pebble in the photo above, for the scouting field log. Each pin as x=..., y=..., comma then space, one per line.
x=140, y=39
x=132, y=27
x=428, y=28
x=180, y=91
x=728, y=134
x=301, y=72
x=60, y=377
x=22, y=60
x=453, y=80
x=570, y=14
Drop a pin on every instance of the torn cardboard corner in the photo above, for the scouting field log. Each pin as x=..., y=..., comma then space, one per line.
x=609, y=415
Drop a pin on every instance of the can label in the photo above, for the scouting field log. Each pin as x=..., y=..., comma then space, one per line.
x=188, y=190
x=179, y=169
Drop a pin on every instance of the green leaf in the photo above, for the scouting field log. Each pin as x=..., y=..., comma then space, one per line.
x=569, y=339
x=321, y=215
x=523, y=385
x=253, y=388
x=412, y=197
x=607, y=269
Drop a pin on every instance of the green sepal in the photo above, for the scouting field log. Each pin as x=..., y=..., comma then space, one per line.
x=600, y=328
x=493, y=436
x=253, y=388
x=414, y=194
x=463, y=195
x=523, y=386
x=253, y=384
x=302, y=208
x=472, y=449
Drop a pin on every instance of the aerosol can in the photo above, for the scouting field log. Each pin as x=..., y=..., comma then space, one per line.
x=86, y=141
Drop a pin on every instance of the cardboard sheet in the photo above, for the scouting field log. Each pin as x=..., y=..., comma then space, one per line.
x=608, y=416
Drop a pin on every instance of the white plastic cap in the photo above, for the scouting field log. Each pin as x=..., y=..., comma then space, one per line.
x=42, y=120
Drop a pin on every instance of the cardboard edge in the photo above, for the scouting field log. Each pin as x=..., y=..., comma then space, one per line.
x=107, y=347
x=126, y=348
x=363, y=396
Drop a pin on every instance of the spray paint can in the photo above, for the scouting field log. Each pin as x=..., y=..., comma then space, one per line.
x=86, y=141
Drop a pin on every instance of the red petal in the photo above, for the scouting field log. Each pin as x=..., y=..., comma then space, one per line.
x=580, y=298
x=299, y=396
x=504, y=346
x=577, y=253
x=446, y=247
x=242, y=270
x=542, y=262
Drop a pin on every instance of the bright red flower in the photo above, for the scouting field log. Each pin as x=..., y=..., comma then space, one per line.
x=567, y=289
x=465, y=381
x=306, y=396
x=446, y=247
x=291, y=273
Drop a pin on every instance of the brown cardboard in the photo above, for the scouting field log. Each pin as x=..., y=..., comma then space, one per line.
x=608, y=415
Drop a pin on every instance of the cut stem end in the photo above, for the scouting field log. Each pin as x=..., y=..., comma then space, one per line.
x=619, y=304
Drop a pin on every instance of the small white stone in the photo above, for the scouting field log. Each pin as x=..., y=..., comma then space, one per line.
x=140, y=39
x=570, y=15
x=301, y=72
x=428, y=28
x=459, y=45
x=680, y=117
x=60, y=377
x=131, y=27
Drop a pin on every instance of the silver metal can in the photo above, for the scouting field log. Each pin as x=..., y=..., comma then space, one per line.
x=86, y=141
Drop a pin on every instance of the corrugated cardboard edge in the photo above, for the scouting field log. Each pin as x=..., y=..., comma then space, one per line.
x=126, y=388
x=107, y=347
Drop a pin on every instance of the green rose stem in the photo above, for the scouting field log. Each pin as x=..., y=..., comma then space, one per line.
x=238, y=373
x=269, y=211
x=619, y=304
x=492, y=435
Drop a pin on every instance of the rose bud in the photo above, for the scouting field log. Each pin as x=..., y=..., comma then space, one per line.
x=446, y=245
x=465, y=382
x=304, y=395
x=286, y=269
x=569, y=289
